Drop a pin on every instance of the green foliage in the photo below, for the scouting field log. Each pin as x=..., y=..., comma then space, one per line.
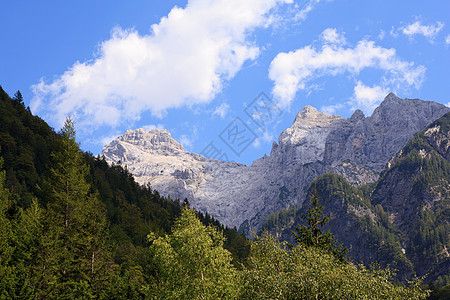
x=35, y=170
x=280, y=220
x=387, y=241
x=333, y=186
x=311, y=235
x=73, y=252
x=428, y=173
x=236, y=243
x=7, y=272
x=191, y=263
x=71, y=226
x=442, y=293
x=26, y=146
x=277, y=272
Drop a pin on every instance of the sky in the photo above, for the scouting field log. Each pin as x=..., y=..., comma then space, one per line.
x=225, y=77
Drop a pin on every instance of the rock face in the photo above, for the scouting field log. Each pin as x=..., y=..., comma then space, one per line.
x=155, y=158
x=371, y=142
x=402, y=221
x=357, y=148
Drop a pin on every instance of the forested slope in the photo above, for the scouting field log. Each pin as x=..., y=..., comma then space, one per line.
x=402, y=220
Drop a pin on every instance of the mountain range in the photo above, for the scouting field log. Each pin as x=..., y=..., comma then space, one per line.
x=400, y=221
x=358, y=148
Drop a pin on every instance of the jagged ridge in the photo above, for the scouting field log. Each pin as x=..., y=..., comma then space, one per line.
x=357, y=148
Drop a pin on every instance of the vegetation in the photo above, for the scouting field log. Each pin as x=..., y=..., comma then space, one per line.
x=278, y=272
x=71, y=227
x=311, y=235
x=191, y=263
x=70, y=223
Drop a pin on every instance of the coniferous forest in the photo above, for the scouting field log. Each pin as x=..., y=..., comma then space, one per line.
x=73, y=227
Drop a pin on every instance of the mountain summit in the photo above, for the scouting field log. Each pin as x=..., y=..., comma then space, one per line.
x=357, y=148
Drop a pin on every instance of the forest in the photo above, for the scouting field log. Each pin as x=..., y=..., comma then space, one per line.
x=73, y=227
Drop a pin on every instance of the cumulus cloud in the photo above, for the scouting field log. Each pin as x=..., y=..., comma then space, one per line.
x=447, y=39
x=184, y=60
x=417, y=28
x=295, y=70
x=330, y=35
x=367, y=98
x=221, y=110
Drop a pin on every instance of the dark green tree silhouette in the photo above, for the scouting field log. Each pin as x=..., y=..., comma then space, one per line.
x=311, y=235
x=74, y=256
x=18, y=97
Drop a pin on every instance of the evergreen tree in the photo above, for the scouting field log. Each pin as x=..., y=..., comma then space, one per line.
x=74, y=256
x=311, y=235
x=18, y=97
x=7, y=271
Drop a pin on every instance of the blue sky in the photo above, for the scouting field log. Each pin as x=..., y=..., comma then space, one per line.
x=225, y=77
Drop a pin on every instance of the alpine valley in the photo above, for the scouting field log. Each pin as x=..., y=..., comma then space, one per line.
x=384, y=181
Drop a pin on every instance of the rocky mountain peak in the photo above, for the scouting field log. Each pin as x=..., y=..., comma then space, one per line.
x=357, y=148
x=391, y=96
x=151, y=140
x=311, y=116
x=357, y=115
x=307, y=111
x=304, y=141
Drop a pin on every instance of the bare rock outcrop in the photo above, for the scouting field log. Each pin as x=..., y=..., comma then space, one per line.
x=357, y=148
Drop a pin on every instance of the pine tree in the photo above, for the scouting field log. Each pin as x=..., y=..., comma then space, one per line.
x=18, y=97
x=311, y=235
x=74, y=256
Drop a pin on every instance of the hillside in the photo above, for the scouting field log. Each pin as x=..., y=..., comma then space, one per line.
x=80, y=229
x=402, y=220
x=115, y=218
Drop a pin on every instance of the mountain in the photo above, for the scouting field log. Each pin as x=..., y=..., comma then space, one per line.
x=358, y=148
x=27, y=149
x=402, y=220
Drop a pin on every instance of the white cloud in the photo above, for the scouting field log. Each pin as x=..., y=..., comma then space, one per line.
x=152, y=126
x=221, y=110
x=186, y=141
x=447, y=39
x=266, y=137
x=367, y=98
x=183, y=61
x=448, y=104
x=331, y=36
x=417, y=28
x=381, y=35
x=295, y=70
x=105, y=140
x=393, y=32
x=256, y=143
x=331, y=109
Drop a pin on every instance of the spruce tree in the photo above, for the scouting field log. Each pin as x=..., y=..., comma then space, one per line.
x=18, y=97
x=311, y=235
x=74, y=256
